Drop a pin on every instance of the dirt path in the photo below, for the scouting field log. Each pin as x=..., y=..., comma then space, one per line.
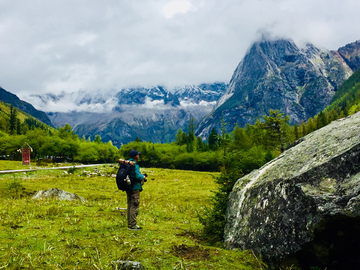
x=52, y=168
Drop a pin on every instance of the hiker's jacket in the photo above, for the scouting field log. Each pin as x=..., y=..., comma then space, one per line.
x=135, y=176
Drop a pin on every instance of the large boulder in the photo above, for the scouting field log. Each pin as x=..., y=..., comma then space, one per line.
x=303, y=208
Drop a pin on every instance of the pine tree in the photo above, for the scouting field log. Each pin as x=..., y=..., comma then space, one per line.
x=241, y=140
x=310, y=126
x=190, y=138
x=200, y=146
x=302, y=129
x=225, y=139
x=12, y=122
x=97, y=139
x=274, y=123
x=18, y=126
x=296, y=132
x=213, y=139
x=320, y=120
x=180, y=138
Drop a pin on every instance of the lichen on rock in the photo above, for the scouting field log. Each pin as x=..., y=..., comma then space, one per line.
x=283, y=208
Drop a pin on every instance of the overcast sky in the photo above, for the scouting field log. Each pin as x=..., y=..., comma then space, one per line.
x=53, y=46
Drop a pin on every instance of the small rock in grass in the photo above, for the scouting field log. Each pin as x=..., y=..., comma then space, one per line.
x=127, y=265
x=55, y=193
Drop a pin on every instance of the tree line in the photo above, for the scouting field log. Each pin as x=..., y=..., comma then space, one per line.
x=49, y=144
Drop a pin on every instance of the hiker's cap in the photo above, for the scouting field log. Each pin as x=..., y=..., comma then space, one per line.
x=133, y=153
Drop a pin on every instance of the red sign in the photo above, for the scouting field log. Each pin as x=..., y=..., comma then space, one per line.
x=26, y=156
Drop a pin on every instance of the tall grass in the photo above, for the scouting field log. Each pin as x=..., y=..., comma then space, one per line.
x=53, y=234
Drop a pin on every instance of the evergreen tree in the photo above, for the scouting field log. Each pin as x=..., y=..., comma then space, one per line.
x=310, y=126
x=18, y=126
x=296, y=132
x=274, y=123
x=320, y=120
x=12, y=122
x=240, y=139
x=180, y=138
x=224, y=139
x=302, y=128
x=200, y=146
x=97, y=139
x=190, y=138
x=213, y=139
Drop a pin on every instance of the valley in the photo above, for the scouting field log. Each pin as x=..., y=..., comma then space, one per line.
x=66, y=234
x=300, y=81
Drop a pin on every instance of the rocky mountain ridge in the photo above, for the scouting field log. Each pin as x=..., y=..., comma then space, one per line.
x=278, y=74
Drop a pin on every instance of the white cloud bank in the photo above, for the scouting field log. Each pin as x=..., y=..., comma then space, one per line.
x=176, y=6
x=55, y=46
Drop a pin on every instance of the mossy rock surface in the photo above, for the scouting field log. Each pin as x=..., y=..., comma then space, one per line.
x=285, y=206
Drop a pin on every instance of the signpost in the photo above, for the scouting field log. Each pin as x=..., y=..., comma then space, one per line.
x=25, y=156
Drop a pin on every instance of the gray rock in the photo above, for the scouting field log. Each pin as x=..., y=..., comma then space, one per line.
x=127, y=265
x=303, y=206
x=55, y=193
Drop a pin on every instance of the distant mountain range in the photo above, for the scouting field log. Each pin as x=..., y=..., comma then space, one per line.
x=274, y=74
x=153, y=114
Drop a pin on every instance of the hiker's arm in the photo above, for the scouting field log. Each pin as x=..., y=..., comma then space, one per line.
x=138, y=175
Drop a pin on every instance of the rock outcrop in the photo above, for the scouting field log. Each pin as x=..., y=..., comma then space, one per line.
x=303, y=208
x=55, y=193
x=351, y=54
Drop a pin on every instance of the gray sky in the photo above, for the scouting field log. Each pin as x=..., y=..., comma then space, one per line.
x=53, y=46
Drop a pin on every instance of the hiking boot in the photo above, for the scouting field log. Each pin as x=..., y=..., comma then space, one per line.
x=135, y=228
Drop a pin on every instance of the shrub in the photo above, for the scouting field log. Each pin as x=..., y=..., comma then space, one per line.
x=213, y=218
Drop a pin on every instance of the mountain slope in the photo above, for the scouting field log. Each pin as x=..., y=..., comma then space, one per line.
x=12, y=99
x=277, y=74
x=153, y=114
x=347, y=98
x=351, y=54
x=5, y=116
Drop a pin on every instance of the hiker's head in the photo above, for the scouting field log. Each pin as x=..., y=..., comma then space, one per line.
x=134, y=154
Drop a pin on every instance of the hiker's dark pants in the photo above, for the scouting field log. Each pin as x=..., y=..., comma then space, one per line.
x=133, y=202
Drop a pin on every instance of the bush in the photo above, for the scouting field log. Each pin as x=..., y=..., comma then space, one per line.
x=213, y=218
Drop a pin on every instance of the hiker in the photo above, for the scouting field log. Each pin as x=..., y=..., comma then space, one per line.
x=133, y=195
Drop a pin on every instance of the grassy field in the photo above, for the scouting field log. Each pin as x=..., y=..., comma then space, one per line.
x=53, y=234
x=11, y=165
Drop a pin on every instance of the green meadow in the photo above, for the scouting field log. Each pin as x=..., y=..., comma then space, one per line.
x=54, y=234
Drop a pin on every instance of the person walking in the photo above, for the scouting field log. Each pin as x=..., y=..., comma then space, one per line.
x=133, y=195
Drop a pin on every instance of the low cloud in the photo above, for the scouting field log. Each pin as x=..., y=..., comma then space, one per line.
x=50, y=47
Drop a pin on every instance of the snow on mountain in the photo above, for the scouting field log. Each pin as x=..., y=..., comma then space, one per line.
x=154, y=114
